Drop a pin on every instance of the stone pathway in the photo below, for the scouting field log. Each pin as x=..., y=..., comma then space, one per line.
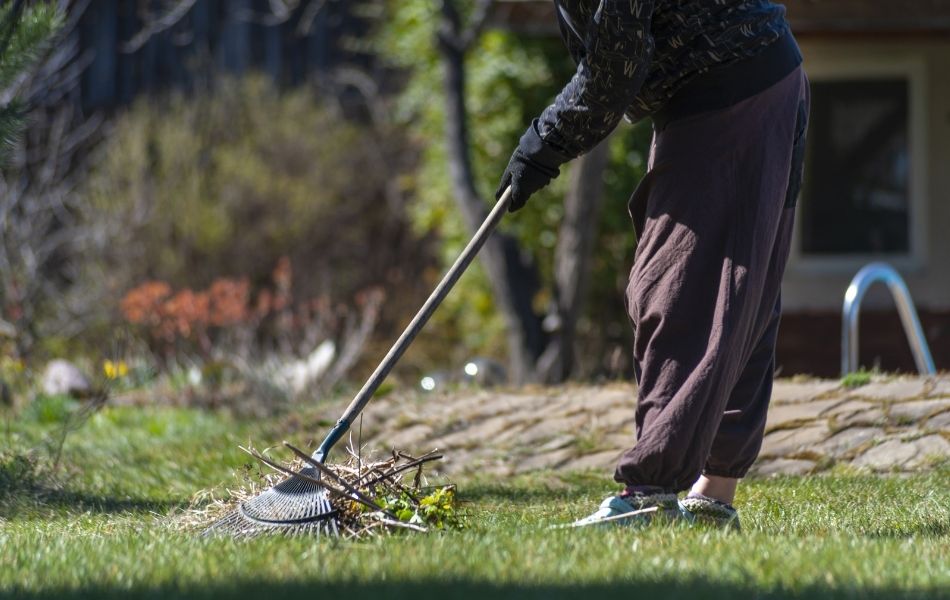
x=889, y=425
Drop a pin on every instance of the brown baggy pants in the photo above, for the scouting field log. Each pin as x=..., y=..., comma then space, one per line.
x=714, y=218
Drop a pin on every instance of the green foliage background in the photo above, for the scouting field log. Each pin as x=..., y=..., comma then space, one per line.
x=510, y=79
x=225, y=182
x=220, y=182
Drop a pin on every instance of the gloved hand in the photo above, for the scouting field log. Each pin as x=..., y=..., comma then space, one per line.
x=532, y=166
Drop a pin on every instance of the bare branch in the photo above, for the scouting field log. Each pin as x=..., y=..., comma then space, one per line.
x=452, y=33
x=448, y=34
x=40, y=228
x=155, y=26
x=309, y=15
x=477, y=24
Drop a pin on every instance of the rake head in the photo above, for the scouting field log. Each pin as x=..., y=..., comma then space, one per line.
x=300, y=504
x=297, y=505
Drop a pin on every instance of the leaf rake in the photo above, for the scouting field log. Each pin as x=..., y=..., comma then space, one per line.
x=302, y=504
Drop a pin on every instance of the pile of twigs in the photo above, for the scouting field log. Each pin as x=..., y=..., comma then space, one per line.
x=372, y=497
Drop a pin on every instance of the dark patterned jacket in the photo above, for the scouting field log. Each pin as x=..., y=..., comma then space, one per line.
x=633, y=56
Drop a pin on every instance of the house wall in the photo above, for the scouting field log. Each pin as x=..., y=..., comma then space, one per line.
x=818, y=285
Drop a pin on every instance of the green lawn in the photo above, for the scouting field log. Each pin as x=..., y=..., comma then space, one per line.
x=106, y=533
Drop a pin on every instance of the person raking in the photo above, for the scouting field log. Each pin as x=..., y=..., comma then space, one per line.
x=723, y=84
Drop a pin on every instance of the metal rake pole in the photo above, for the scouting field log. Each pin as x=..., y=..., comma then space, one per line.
x=415, y=326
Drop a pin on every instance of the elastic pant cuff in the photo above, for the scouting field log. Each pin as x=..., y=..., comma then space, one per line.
x=730, y=473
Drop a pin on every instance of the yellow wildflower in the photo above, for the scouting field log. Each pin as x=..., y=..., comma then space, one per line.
x=115, y=369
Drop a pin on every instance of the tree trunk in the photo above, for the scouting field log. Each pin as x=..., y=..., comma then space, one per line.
x=513, y=277
x=572, y=262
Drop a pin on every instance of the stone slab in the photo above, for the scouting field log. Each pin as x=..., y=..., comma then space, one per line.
x=940, y=387
x=490, y=406
x=783, y=443
x=929, y=448
x=785, y=414
x=847, y=408
x=609, y=401
x=843, y=442
x=621, y=440
x=869, y=417
x=410, y=438
x=889, y=455
x=917, y=411
x=548, y=427
x=605, y=460
x=580, y=427
x=484, y=432
x=561, y=441
x=940, y=422
x=904, y=454
x=783, y=466
x=894, y=390
x=546, y=460
x=791, y=392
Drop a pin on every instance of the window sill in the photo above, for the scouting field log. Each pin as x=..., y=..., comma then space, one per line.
x=850, y=264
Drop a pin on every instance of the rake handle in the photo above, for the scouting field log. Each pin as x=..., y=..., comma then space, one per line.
x=461, y=263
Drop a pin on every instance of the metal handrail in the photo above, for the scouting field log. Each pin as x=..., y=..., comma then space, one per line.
x=867, y=276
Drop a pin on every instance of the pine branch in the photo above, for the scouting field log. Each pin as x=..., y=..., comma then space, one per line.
x=8, y=22
x=24, y=38
x=25, y=32
x=11, y=126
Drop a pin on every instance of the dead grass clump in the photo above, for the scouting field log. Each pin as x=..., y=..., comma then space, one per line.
x=371, y=497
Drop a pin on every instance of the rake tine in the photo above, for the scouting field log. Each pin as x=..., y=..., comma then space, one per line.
x=333, y=477
x=360, y=498
x=357, y=497
x=292, y=473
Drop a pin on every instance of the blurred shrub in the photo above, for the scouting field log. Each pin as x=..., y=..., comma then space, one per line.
x=200, y=196
x=51, y=410
x=18, y=474
x=14, y=378
x=268, y=340
x=226, y=182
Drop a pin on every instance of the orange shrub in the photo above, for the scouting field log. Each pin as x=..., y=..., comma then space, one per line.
x=142, y=305
x=229, y=302
x=198, y=319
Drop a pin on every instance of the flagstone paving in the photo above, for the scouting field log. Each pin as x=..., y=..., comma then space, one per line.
x=892, y=424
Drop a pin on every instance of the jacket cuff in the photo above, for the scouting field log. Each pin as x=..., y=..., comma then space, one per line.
x=539, y=151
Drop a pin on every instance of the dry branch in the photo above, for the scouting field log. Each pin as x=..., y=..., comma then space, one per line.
x=367, y=495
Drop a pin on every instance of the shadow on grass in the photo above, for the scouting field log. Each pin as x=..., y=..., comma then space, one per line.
x=52, y=501
x=928, y=529
x=421, y=590
x=538, y=487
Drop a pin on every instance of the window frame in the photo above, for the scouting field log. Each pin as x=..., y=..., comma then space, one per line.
x=913, y=70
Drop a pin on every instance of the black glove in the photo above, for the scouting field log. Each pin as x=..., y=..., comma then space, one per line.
x=532, y=166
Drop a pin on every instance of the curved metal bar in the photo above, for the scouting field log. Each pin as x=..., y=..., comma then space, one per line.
x=851, y=308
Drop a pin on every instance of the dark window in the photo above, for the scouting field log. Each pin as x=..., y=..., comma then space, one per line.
x=856, y=196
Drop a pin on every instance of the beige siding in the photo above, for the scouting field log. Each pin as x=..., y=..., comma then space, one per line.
x=820, y=284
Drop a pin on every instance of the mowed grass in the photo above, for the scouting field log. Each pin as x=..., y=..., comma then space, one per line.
x=108, y=533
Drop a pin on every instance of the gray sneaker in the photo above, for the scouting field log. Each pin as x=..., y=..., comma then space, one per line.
x=633, y=509
x=702, y=510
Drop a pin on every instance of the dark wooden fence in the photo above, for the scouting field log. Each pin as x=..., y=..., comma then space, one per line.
x=213, y=36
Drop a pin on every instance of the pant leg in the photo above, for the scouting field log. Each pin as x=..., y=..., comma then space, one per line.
x=711, y=209
x=739, y=438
